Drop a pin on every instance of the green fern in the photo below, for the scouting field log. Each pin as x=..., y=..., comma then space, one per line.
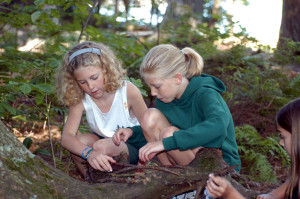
x=254, y=152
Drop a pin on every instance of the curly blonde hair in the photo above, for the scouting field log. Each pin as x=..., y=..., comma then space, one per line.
x=166, y=60
x=68, y=90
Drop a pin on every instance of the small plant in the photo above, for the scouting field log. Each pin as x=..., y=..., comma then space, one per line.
x=254, y=151
x=28, y=142
x=287, y=52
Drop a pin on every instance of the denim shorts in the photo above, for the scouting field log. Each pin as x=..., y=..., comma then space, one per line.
x=133, y=151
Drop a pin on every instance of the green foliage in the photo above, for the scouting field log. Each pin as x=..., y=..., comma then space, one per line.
x=255, y=150
x=287, y=52
x=251, y=83
x=138, y=84
x=250, y=78
x=28, y=142
x=201, y=38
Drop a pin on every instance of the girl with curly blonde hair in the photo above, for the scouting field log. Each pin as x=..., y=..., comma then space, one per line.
x=92, y=80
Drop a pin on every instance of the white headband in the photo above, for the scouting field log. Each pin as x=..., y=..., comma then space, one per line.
x=85, y=50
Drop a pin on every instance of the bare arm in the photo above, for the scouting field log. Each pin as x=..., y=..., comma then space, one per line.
x=68, y=139
x=136, y=102
x=74, y=145
x=279, y=192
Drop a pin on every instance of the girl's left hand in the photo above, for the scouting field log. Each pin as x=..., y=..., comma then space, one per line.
x=219, y=187
x=122, y=134
x=148, y=151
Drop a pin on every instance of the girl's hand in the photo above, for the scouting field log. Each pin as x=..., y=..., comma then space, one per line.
x=100, y=161
x=267, y=196
x=148, y=151
x=219, y=187
x=122, y=134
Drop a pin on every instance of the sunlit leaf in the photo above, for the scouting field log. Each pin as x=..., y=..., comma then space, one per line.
x=25, y=88
x=35, y=16
x=39, y=2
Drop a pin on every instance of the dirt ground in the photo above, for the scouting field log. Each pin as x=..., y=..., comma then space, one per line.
x=242, y=114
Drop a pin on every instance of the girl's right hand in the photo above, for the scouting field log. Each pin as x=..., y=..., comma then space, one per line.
x=100, y=161
x=147, y=152
x=122, y=134
x=267, y=196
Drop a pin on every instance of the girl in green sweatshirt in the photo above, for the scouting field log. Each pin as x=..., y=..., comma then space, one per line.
x=190, y=112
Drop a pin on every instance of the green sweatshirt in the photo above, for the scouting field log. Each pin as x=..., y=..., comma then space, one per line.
x=203, y=118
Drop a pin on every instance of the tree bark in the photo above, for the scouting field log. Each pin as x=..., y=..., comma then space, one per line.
x=215, y=11
x=290, y=22
x=24, y=175
x=177, y=8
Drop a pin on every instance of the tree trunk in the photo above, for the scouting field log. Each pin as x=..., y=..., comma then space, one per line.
x=215, y=11
x=24, y=175
x=177, y=8
x=290, y=22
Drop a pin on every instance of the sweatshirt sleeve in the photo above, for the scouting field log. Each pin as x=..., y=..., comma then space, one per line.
x=137, y=139
x=210, y=132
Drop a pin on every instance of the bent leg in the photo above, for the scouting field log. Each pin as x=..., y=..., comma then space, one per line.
x=178, y=157
x=152, y=123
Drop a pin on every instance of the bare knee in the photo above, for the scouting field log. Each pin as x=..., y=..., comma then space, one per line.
x=168, y=132
x=100, y=146
x=87, y=139
x=150, y=117
x=150, y=120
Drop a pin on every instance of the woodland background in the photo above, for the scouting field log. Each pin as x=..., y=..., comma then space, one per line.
x=259, y=79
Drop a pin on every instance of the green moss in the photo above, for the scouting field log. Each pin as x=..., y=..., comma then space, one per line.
x=209, y=164
x=33, y=177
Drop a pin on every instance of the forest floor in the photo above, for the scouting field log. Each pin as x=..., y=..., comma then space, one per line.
x=242, y=114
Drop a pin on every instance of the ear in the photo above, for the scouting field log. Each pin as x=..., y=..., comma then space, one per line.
x=178, y=78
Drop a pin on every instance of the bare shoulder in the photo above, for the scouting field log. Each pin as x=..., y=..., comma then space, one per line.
x=135, y=100
x=76, y=108
x=132, y=91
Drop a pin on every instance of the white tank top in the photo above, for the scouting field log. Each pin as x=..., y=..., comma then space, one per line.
x=105, y=124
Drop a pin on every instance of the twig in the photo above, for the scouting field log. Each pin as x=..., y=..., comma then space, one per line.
x=116, y=179
x=199, y=191
x=68, y=166
x=126, y=169
x=126, y=175
x=49, y=132
x=168, y=166
x=158, y=33
x=45, y=115
x=137, y=39
x=48, y=121
x=270, y=103
x=225, y=171
x=90, y=14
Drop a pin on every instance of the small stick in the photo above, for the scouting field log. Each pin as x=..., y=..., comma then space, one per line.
x=126, y=169
x=225, y=171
